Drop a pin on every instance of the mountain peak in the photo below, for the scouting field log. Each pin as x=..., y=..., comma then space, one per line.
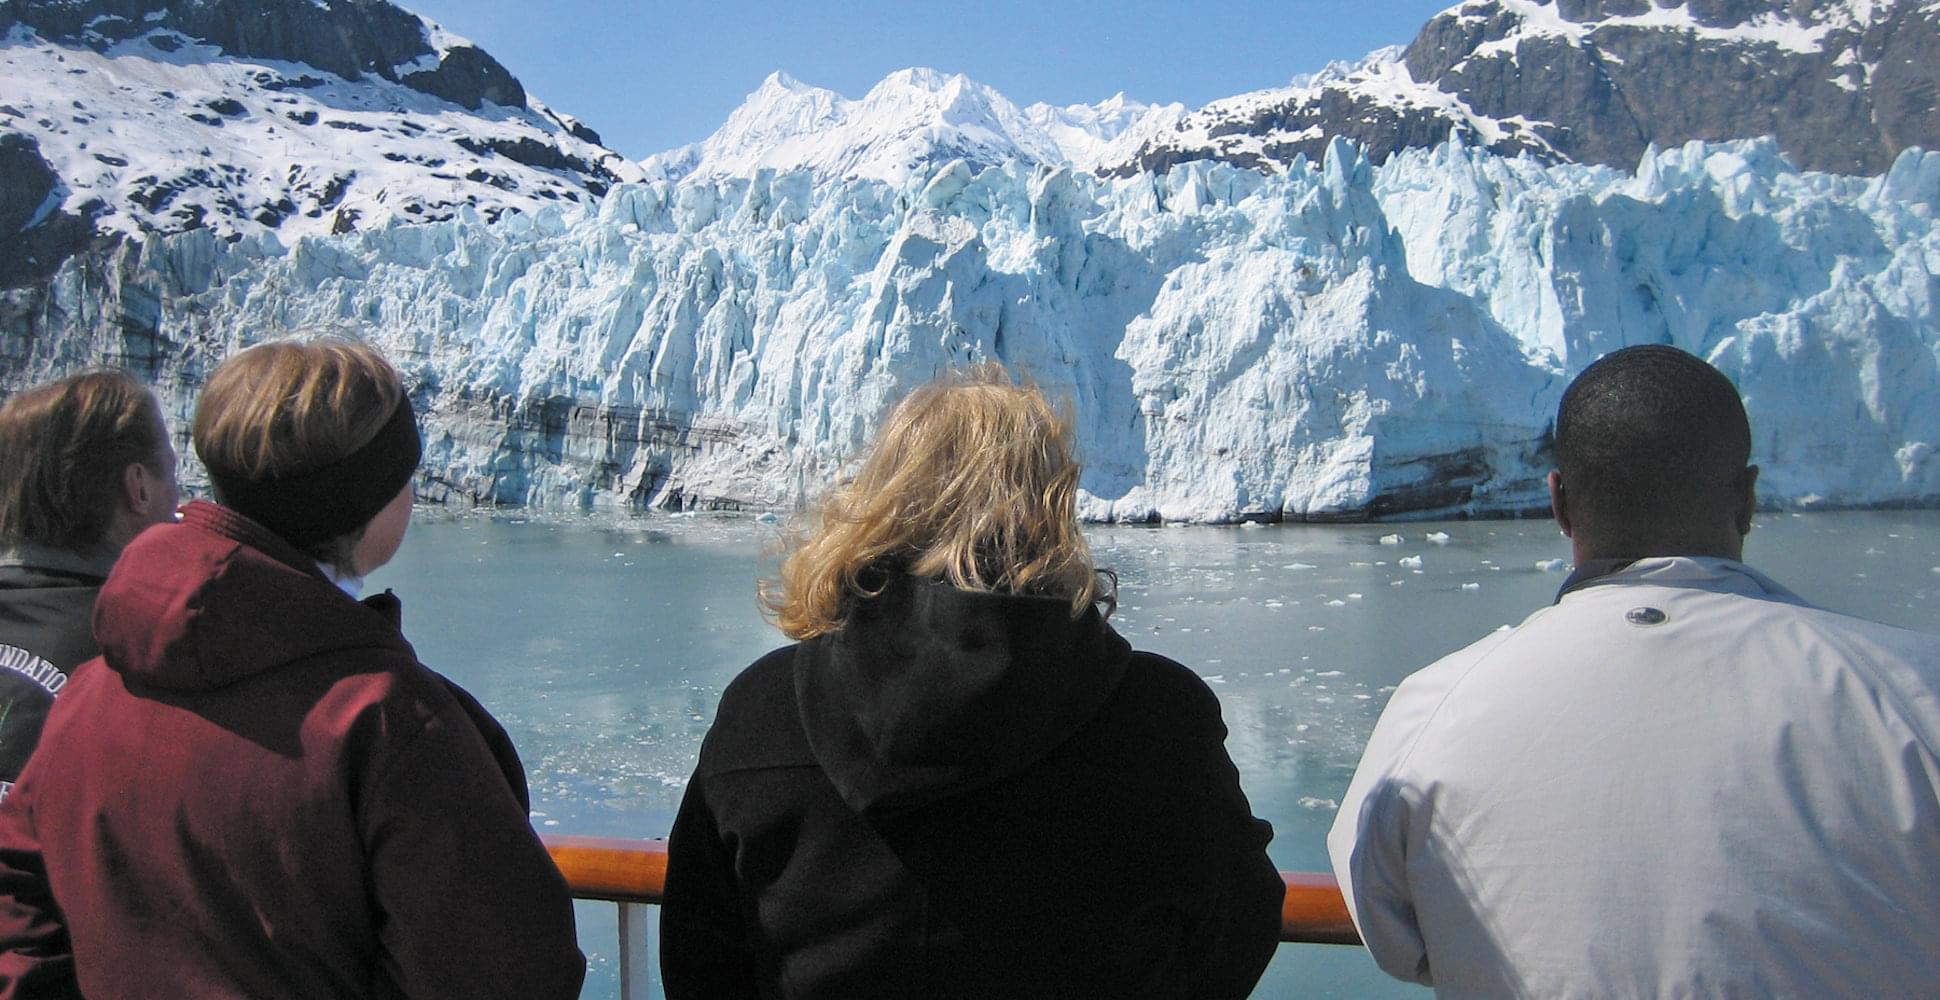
x=921, y=78
x=912, y=120
x=781, y=82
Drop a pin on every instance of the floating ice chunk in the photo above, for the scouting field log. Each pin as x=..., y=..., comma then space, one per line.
x=1471, y=586
x=1353, y=597
x=1298, y=565
x=1438, y=537
x=1391, y=539
x=1317, y=804
x=1337, y=603
x=1411, y=562
x=1556, y=565
x=1396, y=583
x=1328, y=673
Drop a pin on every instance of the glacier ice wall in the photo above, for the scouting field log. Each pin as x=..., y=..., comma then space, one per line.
x=1337, y=341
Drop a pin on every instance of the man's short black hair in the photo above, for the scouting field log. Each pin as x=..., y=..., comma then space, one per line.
x=1646, y=438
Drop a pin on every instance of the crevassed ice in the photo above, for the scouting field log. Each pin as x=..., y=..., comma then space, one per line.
x=1334, y=340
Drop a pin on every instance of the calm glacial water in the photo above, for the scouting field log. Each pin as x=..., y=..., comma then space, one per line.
x=603, y=643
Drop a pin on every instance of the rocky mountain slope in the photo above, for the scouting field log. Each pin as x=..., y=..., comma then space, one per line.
x=252, y=117
x=1844, y=86
x=1377, y=331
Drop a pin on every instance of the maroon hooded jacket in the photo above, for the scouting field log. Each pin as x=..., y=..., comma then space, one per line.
x=259, y=792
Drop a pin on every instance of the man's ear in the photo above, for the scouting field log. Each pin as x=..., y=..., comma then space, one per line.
x=140, y=487
x=1747, y=498
x=1557, y=507
x=137, y=484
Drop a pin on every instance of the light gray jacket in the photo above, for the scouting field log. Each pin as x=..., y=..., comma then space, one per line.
x=1680, y=780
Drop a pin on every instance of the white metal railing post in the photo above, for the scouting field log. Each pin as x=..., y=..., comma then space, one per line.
x=636, y=951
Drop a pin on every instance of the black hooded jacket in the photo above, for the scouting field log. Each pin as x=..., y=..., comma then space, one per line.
x=46, y=599
x=967, y=795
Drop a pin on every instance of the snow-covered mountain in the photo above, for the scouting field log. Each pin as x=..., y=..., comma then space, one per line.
x=293, y=117
x=1340, y=342
x=912, y=122
x=1261, y=320
x=1091, y=135
x=1844, y=85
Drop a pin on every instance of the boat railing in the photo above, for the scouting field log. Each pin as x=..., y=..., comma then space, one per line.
x=633, y=875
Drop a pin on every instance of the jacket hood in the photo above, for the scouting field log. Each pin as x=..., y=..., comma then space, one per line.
x=216, y=599
x=931, y=691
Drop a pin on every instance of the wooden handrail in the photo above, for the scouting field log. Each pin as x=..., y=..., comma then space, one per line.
x=611, y=868
x=1313, y=911
x=635, y=871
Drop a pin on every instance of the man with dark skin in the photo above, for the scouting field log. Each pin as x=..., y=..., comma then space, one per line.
x=1680, y=779
x=1652, y=466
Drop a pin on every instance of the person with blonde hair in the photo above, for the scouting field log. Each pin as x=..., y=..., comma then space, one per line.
x=258, y=791
x=960, y=781
x=85, y=466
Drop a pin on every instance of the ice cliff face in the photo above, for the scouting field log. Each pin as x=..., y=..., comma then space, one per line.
x=1248, y=316
x=1339, y=341
x=1843, y=85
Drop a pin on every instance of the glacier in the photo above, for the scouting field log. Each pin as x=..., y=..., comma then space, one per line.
x=1336, y=341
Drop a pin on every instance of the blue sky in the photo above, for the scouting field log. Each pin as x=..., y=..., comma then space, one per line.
x=653, y=75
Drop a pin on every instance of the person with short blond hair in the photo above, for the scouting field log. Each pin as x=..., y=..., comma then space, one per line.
x=960, y=781
x=258, y=791
x=85, y=466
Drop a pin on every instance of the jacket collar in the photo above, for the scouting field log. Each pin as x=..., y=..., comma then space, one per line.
x=226, y=523
x=43, y=557
x=1698, y=572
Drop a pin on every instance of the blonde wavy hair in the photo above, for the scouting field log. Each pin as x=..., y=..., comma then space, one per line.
x=972, y=480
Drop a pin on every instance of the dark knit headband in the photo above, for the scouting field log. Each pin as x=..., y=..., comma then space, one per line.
x=335, y=499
